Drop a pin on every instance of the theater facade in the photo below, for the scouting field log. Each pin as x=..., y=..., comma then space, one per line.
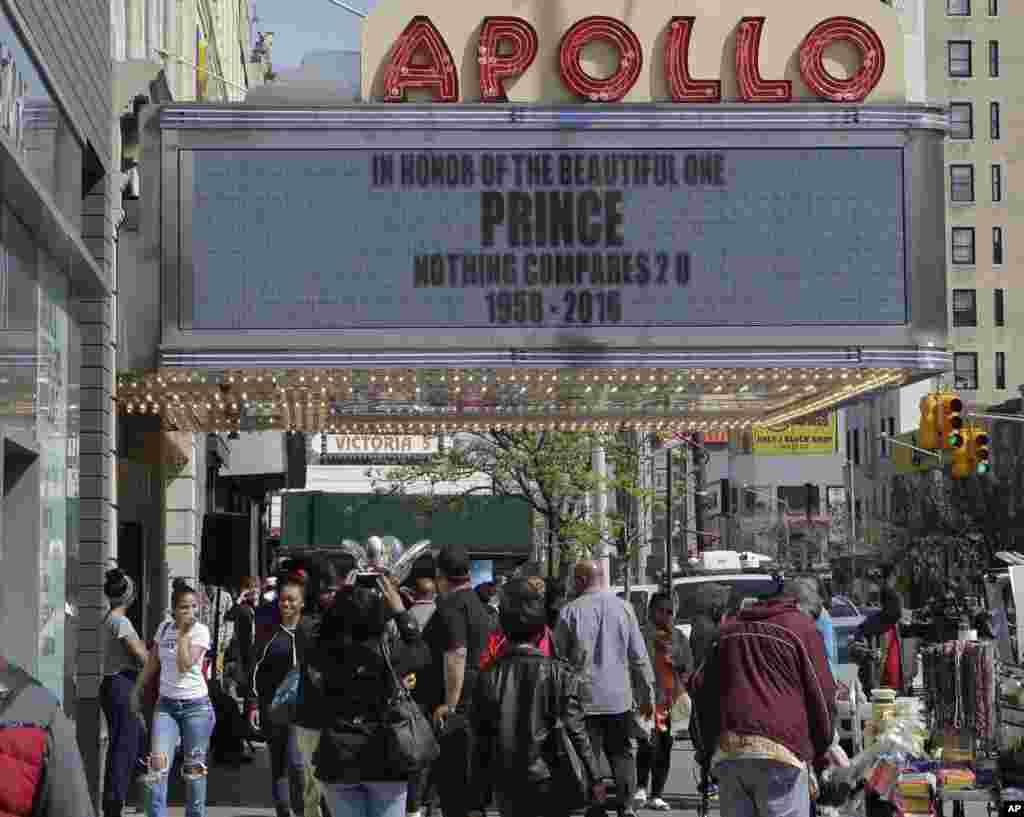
x=690, y=216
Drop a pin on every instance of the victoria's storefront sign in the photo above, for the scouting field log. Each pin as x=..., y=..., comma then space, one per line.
x=508, y=46
x=391, y=444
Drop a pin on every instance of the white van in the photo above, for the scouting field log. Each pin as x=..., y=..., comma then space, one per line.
x=640, y=597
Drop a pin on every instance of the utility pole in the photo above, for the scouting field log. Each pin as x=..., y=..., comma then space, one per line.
x=684, y=520
x=699, y=477
x=668, y=520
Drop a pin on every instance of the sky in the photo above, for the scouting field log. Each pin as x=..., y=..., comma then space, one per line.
x=301, y=26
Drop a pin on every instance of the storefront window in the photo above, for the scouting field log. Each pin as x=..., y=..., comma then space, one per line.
x=72, y=600
x=19, y=314
x=52, y=434
x=35, y=341
x=34, y=127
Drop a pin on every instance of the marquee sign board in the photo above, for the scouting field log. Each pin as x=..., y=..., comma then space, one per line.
x=584, y=239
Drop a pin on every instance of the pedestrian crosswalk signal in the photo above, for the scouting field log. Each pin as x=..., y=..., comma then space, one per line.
x=952, y=421
x=981, y=454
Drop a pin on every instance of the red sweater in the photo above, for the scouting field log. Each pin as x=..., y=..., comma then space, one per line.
x=771, y=679
x=497, y=643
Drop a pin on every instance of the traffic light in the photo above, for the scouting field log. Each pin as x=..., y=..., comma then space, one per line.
x=952, y=422
x=929, y=427
x=981, y=456
x=962, y=458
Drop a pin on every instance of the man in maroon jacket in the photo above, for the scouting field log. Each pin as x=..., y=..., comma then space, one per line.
x=764, y=700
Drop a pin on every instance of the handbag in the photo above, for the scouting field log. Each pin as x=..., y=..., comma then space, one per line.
x=151, y=690
x=680, y=714
x=406, y=739
x=283, y=705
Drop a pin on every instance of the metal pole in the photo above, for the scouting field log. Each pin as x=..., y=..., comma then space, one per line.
x=851, y=498
x=684, y=518
x=668, y=520
x=1011, y=417
x=699, y=475
x=350, y=9
x=930, y=453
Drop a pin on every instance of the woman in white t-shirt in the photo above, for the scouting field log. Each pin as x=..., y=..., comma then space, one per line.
x=184, y=707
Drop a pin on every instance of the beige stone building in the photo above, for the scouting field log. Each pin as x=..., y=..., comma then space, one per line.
x=974, y=59
x=203, y=47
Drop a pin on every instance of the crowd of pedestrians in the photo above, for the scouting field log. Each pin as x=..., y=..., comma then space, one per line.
x=380, y=700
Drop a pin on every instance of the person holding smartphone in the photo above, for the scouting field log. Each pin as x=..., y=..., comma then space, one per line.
x=183, y=709
x=278, y=655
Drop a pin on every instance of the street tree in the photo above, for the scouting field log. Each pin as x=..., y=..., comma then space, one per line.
x=551, y=471
x=941, y=530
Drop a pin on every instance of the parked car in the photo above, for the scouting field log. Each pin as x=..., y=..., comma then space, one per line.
x=640, y=597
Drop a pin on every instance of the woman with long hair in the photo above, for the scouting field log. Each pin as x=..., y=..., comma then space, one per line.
x=277, y=655
x=364, y=630
x=183, y=709
x=124, y=655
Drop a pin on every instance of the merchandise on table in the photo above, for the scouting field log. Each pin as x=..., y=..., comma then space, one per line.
x=956, y=779
x=961, y=679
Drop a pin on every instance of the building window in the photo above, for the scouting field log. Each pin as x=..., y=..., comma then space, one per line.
x=993, y=8
x=1000, y=370
x=997, y=183
x=856, y=447
x=958, y=8
x=999, y=310
x=993, y=121
x=963, y=245
x=997, y=245
x=993, y=58
x=958, y=53
x=961, y=183
x=961, y=120
x=965, y=307
x=965, y=371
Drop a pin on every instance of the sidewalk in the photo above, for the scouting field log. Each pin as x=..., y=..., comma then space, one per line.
x=232, y=791
x=245, y=791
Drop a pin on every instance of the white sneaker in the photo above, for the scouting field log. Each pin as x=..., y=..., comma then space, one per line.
x=657, y=804
x=640, y=798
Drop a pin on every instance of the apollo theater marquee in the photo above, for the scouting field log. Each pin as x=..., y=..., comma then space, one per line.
x=696, y=215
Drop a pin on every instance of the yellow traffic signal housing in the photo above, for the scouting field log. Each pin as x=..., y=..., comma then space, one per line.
x=930, y=426
x=981, y=455
x=953, y=435
x=962, y=460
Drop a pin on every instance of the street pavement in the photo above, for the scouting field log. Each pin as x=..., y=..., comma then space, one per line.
x=245, y=791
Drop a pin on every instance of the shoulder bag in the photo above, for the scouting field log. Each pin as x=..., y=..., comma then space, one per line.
x=151, y=691
x=281, y=711
x=407, y=740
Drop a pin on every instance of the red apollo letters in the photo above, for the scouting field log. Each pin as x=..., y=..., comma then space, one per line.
x=440, y=76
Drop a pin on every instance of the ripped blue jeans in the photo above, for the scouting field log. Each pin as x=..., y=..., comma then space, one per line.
x=193, y=720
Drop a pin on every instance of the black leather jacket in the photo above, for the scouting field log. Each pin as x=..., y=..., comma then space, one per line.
x=551, y=689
